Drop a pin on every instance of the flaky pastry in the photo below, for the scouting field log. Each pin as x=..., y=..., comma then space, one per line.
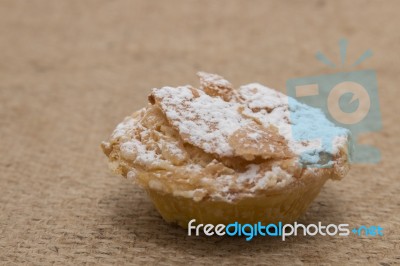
x=219, y=155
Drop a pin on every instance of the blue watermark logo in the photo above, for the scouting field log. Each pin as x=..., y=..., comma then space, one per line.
x=348, y=99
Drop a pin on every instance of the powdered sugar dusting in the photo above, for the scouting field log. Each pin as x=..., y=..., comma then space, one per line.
x=205, y=121
x=249, y=174
x=301, y=125
x=227, y=125
x=214, y=79
x=259, y=96
x=122, y=128
x=275, y=177
x=208, y=122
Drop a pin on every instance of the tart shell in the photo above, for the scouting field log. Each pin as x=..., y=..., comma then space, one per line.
x=270, y=207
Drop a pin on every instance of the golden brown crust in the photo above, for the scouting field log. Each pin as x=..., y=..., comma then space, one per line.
x=254, y=141
x=215, y=85
x=178, y=146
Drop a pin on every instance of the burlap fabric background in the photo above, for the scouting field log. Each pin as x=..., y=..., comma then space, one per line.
x=71, y=70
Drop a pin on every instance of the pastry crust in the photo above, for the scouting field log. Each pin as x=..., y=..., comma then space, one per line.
x=192, y=147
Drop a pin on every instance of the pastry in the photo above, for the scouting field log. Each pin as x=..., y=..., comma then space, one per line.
x=220, y=155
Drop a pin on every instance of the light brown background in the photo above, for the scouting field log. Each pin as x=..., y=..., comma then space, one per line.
x=71, y=70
